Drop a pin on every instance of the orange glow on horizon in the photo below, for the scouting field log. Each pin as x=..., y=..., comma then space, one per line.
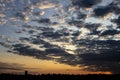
x=38, y=66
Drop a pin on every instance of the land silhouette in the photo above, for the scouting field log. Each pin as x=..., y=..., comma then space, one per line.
x=27, y=76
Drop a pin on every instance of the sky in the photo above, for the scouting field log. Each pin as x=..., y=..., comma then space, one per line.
x=60, y=36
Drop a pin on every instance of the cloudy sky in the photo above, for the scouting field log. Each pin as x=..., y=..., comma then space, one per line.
x=60, y=36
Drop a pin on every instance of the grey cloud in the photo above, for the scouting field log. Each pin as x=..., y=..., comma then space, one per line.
x=20, y=15
x=56, y=51
x=24, y=39
x=76, y=33
x=106, y=59
x=85, y=3
x=117, y=21
x=102, y=11
x=22, y=49
x=53, y=35
x=110, y=32
x=37, y=41
x=93, y=28
x=31, y=31
x=77, y=15
x=43, y=20
x=50, y=33
x=25, y=50
x=54, y=23
x=101, y=55
x=76, y=23
x=36, y=11
x=97, y=55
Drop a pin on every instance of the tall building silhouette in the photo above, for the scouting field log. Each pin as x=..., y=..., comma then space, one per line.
x=26, y=72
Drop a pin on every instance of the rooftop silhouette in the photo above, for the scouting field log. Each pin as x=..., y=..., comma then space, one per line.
x=27, y=76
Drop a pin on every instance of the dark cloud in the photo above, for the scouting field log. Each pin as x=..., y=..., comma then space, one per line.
x=55, y=51
x=24, y=39
x=107, y=57
x=48, y=46
x=115, y=6
x=6, y=44
x=20, y=15
x=43, y=20
x=31, y=31
x=85, y=3
x=53, y=35
x=24, y=50
x=46, y=20
x=36, y=12
x=116, y=9
x=110, y=32
x=76, y=33
x=102, y=11
x=97, y=55
x=76, y=23
x=37, y=41
x=93, y=28
x=50, y=33
x=68, y=59
x=27, y=26
x=107, y=61
x=117, y=21
x=55, y=23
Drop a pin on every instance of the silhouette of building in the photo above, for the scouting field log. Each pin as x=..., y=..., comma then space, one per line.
x=26, y=72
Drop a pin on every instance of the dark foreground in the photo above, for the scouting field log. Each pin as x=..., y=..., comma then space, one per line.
x=58, y=77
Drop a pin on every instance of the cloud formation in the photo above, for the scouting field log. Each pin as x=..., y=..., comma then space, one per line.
x=102, y=11
x=104, y=60
x=85, y=3
x=117, y=21
x=49, y=29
